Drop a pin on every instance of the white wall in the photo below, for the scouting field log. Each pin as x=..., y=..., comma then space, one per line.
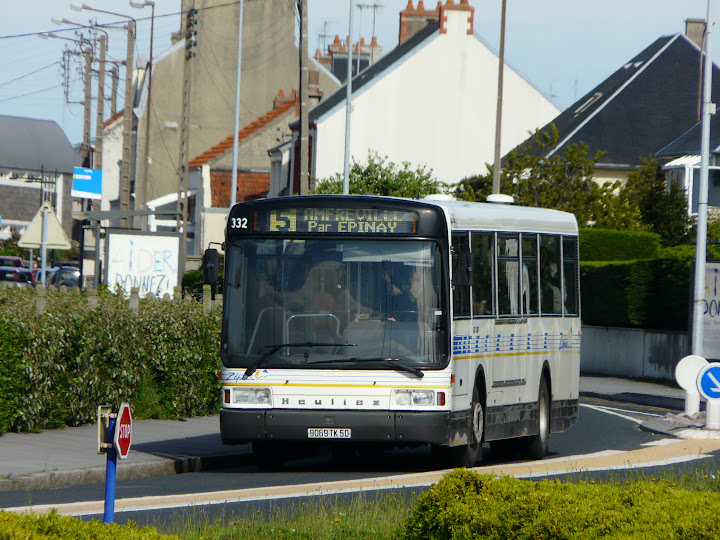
x=436, y=107
x=112, y=153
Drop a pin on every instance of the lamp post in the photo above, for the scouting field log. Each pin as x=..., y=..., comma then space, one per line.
x=127, y=113
x=146, y=165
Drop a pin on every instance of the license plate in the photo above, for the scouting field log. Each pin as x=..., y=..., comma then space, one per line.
x=328, y=433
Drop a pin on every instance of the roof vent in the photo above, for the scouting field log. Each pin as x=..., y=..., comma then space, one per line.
x=499, y=198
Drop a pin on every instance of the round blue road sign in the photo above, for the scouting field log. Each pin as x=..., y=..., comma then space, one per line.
x=708, y=381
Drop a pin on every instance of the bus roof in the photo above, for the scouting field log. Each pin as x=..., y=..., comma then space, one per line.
x=499, y=217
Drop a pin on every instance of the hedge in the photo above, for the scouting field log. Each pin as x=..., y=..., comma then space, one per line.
x=651, y=294
x=56, y=368
x=466, y=504
x=56, y=526
x=612, y=245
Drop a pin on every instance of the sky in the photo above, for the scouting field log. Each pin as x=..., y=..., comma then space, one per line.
x=564, y=47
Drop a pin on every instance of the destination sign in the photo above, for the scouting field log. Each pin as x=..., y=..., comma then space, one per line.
x=336, y=220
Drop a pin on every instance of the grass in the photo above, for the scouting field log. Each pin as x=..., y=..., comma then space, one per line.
x=363, y=516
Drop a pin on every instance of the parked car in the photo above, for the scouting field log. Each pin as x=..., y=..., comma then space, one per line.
x=16, y=277
x=15, y=262
x=64, y=276
x=37, y=276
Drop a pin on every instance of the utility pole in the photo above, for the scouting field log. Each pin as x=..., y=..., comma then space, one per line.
x=127, y=125
x=498, y=114
x=183, y=161
x=113, y=94
x=87, y=105
x=304, y=117
x=97, y=160
x=348, y=106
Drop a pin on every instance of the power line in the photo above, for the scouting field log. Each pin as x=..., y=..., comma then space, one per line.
x=28, y=74
x=31, y=93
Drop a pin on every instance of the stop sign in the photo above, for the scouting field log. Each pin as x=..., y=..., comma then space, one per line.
x=123, y=431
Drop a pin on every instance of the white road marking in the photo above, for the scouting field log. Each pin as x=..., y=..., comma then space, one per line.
x=610, y=411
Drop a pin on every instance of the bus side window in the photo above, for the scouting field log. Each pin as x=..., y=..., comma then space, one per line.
x=461, y=293
x=570, y=275
x=483, y=250
x=508, y=274
x=550, y=294
x=529, y=277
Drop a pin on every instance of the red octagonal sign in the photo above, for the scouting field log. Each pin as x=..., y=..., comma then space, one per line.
x=123, y=431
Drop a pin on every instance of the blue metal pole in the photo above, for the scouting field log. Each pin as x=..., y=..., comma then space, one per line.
x=110, y=474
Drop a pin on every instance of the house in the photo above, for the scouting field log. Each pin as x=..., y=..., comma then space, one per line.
x=430, y=102
x=269, y=62
x=683, y=169
x=210, y=175
x=36, y=165
x=642, y=107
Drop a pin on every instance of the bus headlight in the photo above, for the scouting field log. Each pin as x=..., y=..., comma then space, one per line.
x=412, y=398
x=252, y=396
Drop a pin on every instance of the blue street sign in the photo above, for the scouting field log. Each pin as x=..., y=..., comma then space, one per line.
x=87, y=183
x=708, y=381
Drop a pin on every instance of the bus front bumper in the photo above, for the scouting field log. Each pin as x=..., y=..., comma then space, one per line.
x=239, y=426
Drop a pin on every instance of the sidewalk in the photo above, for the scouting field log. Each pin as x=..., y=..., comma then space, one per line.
x=65, y=457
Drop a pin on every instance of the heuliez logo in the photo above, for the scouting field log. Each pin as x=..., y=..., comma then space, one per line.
x=328, y=402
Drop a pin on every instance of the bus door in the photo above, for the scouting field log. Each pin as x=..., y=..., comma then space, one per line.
x=508, y=366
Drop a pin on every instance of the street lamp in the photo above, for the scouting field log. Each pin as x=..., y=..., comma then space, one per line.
x=97, y=159
x=127, y=113
x=146, y=166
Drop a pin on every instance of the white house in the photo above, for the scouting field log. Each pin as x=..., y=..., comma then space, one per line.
x=430, y=102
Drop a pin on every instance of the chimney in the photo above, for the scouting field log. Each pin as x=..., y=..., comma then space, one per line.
x=695, y=31
x=463, y=12
x=413, y=20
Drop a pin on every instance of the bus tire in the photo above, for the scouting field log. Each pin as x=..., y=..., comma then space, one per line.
x=467, y=455
x=536, y=446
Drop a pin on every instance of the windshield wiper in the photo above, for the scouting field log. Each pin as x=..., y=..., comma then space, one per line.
x=275, y=348
x=393, y=362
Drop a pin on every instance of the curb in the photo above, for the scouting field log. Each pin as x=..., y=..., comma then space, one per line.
x=125, y=471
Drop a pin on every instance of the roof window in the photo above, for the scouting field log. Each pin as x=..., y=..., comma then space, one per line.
x=595, y=97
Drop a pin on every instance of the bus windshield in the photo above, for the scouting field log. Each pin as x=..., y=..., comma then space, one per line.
x=338, y=304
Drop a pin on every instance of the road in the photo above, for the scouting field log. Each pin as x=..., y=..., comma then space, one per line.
x=606, y=440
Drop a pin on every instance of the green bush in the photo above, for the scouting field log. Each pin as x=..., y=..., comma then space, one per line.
x=56, y=368
x=650, y=294
x=466, y=504
x=611, y=245
x=55, y=526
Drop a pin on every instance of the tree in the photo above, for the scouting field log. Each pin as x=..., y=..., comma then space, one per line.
x=561, y=181
x=382, y=177
x=663, y=209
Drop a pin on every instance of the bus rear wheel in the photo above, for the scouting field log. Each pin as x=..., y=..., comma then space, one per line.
x=536, y=446
x=467, y=455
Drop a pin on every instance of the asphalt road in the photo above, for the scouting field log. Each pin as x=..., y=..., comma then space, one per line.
x=606, y=443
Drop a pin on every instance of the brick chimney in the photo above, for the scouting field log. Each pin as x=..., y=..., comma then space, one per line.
x=695, y=31
x=413, y=20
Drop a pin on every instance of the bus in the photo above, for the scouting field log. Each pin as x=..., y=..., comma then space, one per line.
x=365, y=322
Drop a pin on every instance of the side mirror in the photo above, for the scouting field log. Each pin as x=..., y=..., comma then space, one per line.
x=210, y=266
x=465, y=269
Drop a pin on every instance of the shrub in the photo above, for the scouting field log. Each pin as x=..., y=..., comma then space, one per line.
x=56, y=368
x=466, y=504
x=611, y=245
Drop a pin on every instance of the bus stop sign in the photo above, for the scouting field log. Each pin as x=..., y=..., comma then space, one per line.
x=123, y=431
x=708, y=381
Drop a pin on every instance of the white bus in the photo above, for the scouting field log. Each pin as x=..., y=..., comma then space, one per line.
x=370, y=322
